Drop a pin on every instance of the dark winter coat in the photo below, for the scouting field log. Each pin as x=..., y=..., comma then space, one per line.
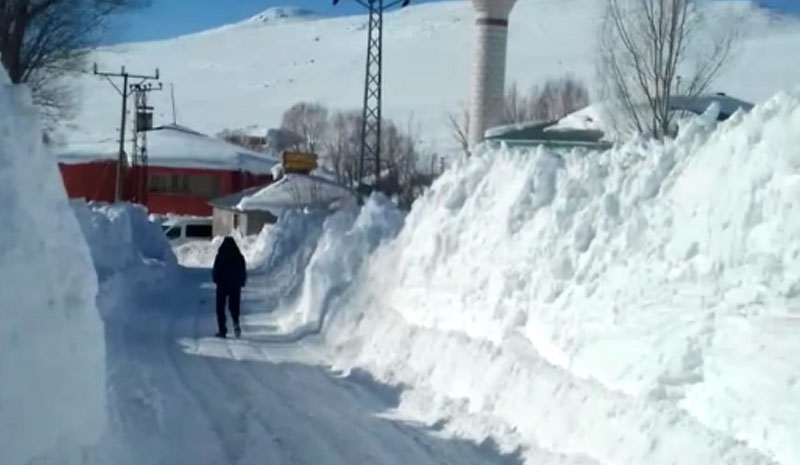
x=229, y=270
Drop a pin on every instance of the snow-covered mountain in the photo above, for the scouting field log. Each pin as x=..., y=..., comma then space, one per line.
x=283, y=14
x=248, y=73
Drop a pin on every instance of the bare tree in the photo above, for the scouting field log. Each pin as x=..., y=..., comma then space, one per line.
x=556, y=99
x=342, y=146
x=41, y=41
x=517, y=106
x=401, y=155
x=645, y=45
x=309, y=120
x=243, y=139
x=572, y=95
x=339, y=150
x=283, y=139
x=459, y=129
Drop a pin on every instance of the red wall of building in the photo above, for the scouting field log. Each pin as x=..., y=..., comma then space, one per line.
x=94, y=181
x=187, y=204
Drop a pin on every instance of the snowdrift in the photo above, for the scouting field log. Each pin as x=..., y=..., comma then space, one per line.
x=52, y=373
x=314, y=256
x=129, y=252
x=634, y=306
x=348, y=237
x=121, y=236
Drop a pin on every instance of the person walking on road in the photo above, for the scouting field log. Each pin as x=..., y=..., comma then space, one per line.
x=230, y=276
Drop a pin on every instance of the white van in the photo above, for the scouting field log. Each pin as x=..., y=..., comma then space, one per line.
x=179, y=229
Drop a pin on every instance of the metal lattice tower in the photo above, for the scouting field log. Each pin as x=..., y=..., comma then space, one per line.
x=119, y=193
x=371, y=115
x=143, y=122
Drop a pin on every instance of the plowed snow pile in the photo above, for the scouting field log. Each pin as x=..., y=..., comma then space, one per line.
x=52, y=373
x=310, y=260
x=121, y=236
x=636, y=306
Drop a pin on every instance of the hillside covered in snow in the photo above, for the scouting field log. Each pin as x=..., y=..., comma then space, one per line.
x=246, y=74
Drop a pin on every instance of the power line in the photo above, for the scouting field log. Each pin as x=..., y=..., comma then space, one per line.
x=371, y=116
x=143, y=122
x=124, y=94
x=174, y=113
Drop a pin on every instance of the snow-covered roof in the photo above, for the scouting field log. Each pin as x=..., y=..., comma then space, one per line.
x=175, y=146
x=291, y=192
x=548, y=133
x=586, y=127
x=727, y=105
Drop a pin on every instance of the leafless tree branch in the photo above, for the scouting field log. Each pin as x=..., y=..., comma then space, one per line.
x=646, y=47
x=43, y=41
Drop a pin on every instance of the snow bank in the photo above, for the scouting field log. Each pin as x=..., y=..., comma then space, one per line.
x=311, y=258
x=52, y=374
x=130, y=253
x=122, y=236
x=635, y=306
x=348, y=237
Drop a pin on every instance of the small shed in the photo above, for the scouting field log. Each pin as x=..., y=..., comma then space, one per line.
x=248, y=211
x=227, y=217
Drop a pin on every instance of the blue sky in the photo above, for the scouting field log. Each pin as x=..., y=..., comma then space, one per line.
x=169, y=18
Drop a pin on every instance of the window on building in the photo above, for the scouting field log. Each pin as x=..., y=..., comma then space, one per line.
x=173, y=232
x=197, y=185
x=199, y=231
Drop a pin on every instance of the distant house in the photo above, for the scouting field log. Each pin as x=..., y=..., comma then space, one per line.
x=248, y=211
x=185, y=170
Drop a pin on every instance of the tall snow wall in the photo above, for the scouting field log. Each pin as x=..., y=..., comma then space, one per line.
x=312, y=259
x=640, y=305
x=52, y=377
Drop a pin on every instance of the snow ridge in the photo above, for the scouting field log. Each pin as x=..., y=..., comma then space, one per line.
x=52, y=348
x=283, y=14
x=620, y=293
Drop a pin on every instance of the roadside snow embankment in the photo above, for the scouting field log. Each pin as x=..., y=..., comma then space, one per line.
x=130, y=253
x=52, y=373
x=640, y=305
x=315, y=257
x=121, y=236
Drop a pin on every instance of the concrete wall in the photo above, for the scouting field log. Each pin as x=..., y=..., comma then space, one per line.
x=224, y=222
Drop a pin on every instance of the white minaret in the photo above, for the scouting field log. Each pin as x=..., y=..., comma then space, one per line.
x=488, y=66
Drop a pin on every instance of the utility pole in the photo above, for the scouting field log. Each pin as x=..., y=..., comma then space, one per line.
x=124, y=93
x=172, y=93
x=142, y=123
x=371, y=116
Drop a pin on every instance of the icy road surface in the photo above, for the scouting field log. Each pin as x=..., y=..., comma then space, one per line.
x=178, y=396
